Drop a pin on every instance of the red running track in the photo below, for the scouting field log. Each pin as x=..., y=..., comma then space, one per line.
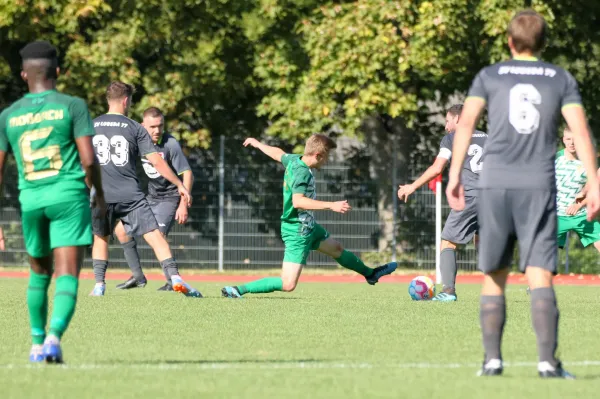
x=578, y=279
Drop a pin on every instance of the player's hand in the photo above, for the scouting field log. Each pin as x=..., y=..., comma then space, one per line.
x=2, y=244
x=341, y=207
x=252, y=142
x=581, y=196
x=455, y=192
x=573, y=209
x=185, y=195
x=405, y=191
x=593, y=202
x=182, y=214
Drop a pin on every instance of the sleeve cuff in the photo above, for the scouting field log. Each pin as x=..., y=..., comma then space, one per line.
x=570, y=105
x=445, y=153
x=478, y=98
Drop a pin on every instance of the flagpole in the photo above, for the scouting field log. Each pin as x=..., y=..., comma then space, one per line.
x=438, y=228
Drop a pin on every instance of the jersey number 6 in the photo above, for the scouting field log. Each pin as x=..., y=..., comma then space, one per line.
x=522, y=113
x=119, y=143
x=51, y=152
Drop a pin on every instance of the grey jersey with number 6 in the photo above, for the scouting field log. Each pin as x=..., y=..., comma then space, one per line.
x=118, y=142
x=524, y=99
x=473, y=161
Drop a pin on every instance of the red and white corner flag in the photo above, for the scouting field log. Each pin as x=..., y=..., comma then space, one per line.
x=433, y=183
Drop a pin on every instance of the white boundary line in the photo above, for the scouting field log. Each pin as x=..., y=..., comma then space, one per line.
x=278, y=365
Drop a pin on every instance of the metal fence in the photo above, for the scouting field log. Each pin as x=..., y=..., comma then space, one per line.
x=234, y=220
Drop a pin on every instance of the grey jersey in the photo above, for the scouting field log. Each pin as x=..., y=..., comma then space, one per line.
x=170, y=151
x=473, y=161
x=524, y=98
x=118, y=142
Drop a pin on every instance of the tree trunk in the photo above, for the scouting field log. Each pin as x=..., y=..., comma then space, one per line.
x=379, y=132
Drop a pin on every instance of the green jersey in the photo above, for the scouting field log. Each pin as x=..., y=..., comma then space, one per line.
x=41, y=129
x=570, y=180
x=298, y=180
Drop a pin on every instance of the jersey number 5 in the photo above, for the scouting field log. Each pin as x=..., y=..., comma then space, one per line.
x=119, y=143
x=29, y=156
x=522, y=113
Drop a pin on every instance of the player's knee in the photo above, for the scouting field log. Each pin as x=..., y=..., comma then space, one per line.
x=538, y=277
x=155, y=238
x=289, y=286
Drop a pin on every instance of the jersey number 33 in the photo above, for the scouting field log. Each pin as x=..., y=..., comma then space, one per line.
x=119, y=146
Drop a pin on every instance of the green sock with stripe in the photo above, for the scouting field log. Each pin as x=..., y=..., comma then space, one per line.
x=65, y=299
x=268, y=284
x=353, y=262
x=37, y=303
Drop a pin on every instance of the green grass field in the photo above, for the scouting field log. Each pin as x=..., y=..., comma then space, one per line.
x=323, y=340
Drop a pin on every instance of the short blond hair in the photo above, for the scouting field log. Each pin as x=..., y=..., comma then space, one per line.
x=319, y=144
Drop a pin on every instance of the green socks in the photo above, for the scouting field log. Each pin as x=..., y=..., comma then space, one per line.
x=37, y=303
x=65, y=299
x=268, y=284
x=352, y=262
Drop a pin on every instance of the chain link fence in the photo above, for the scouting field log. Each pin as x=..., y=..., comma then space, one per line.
x=234, y=220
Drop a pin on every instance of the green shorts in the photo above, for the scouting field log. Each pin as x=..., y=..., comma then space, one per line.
x=298, y=246
x=68, y=224
x=588, y=232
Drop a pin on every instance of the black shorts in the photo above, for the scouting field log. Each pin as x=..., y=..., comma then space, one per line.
x=164, y=210
x=461, y=226
x=506, y=216
x=137, y=218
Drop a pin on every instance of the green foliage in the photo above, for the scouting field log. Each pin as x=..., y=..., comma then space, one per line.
x=289, y=68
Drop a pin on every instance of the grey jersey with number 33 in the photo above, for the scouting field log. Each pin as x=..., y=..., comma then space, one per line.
x=473, y=161
x=525, y=96
x=118, y=142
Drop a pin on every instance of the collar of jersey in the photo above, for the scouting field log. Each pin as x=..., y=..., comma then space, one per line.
x=302, y=162
x=44, y=93
x=525, y=58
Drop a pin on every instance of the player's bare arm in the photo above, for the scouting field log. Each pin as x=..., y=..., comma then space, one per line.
x=93, y=174
x=274, y=152
x=464, y=131
x=575, y=117
x=2, y=162
x=165, y=171
x=182, y=211
x=300, y=201
x=438, y=166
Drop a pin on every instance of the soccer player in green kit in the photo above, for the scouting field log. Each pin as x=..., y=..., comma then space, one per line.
x=299, y=230
x=50, y=134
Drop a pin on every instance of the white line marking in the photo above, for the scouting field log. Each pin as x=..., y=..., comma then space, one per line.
x=279, y=365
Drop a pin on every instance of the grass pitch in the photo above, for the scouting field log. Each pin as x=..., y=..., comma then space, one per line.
x=323, y=340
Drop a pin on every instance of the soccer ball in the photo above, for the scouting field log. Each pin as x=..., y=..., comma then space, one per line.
x=421, y=288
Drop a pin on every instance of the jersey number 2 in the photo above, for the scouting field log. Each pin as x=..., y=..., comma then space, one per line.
x=29, y=156
x=522, y=113
x=119, y=143
x=475, y=151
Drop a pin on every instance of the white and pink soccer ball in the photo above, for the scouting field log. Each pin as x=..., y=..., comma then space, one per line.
x=421, y=288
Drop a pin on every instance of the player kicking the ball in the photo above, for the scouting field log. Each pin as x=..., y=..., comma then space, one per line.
x=163, y=197
x=517, y=198
x=118, y=142
x=300, y=232
x=461, y=226
x=50, y=134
